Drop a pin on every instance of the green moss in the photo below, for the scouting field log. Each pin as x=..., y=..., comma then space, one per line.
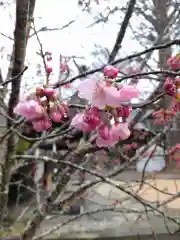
x=16, y=230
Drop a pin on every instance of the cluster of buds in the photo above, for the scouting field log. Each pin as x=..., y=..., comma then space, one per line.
x=42, y=108
x=163, y=116
x=172, y=85
x=172, y=88
x=49, y=69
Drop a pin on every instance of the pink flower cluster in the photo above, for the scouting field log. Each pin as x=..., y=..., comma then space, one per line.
x=41, y=109
x=107, y=101
x=172, y=88
x=163, y=116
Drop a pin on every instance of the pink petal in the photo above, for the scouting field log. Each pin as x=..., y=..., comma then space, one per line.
x=128, y=92
x=120, y=131
x=112, y=97
x=105, y=142
x=99, y=102
x=87, y=88
x=78, y=122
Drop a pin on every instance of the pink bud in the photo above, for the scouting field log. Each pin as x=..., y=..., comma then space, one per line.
x=177, y=81
x=133, y=145
x=41, y=125
x=49, y=70
x=49, y=59
x=124, y=111
x=168, y=83
x=56, y=117
x=104, y=131
x=110, y=71
x=169, y=87
x=49, y=92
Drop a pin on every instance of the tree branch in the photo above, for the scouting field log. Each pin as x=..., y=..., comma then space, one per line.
x=122, y=30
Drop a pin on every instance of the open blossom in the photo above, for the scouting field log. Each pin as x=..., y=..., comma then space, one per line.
x=110, y=135
x=128, y=92
x=101, y=94
x=29, y=109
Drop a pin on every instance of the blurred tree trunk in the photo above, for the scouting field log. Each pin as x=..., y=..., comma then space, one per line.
x=162, y=19
x=24, y=15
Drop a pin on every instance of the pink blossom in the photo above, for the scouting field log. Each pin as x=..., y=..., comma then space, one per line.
x=124, y=111
x=128, y=92
x=79, y=123
x=109, y=136
x=56, y=116
x=49, y=92
x=41, y=125
x=169, y=87
x=49, y=70
x=57, y=112
x=29, y=109
x=87, y=120
x=100, y=94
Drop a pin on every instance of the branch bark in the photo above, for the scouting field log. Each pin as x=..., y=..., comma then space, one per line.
x=122, y=30
x=24, y=13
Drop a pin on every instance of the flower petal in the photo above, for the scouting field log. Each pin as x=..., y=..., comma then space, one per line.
x=128, y=92
x=112, y=97
x=87, y=88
